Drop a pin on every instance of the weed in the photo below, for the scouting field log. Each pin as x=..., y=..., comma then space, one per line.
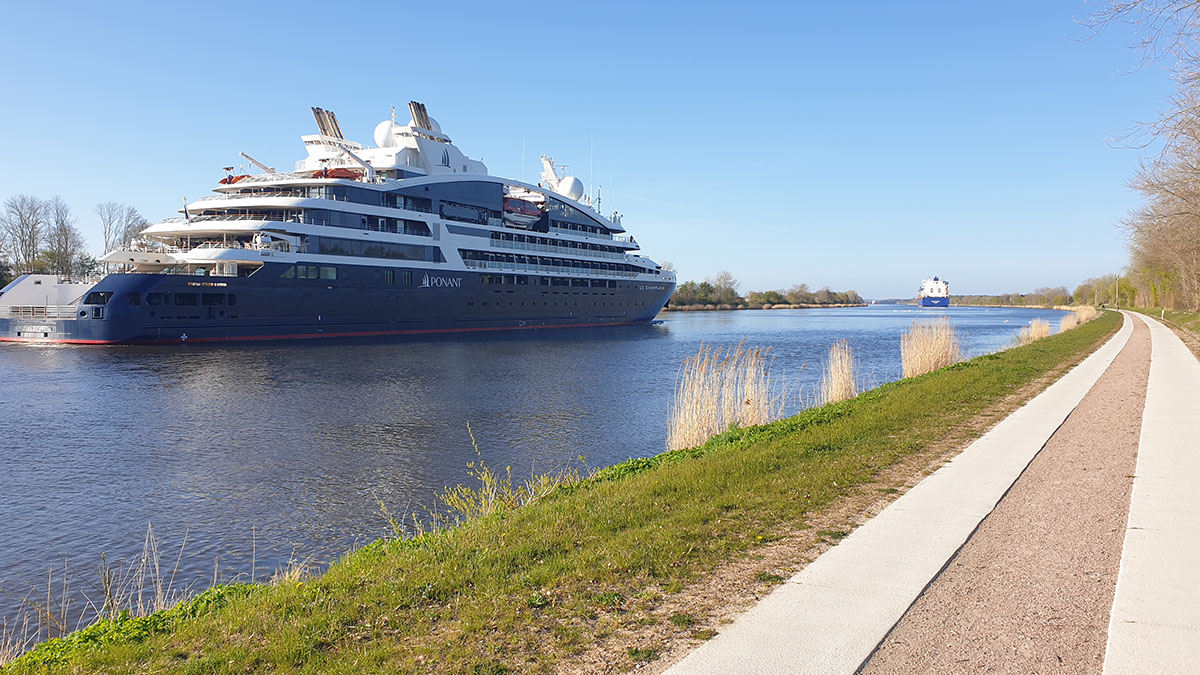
x=833, y=535
x=538, y=601
x=643, y=654
x=682, y=620
x=768, y=578
x=610, y=600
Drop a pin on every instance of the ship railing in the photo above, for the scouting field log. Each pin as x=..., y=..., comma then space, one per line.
x=299, y=194
x=491, y=265
x=41, y=311
x=524, y=246
x=607, y=236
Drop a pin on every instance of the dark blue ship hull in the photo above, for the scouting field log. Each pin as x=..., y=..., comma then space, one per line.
x=361, y=301
x=927, y=301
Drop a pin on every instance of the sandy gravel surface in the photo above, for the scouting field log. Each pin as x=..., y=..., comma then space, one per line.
x=1031, y=591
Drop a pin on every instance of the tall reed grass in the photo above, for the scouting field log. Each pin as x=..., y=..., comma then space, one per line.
x=838, y=383
x=1036, y=330
x=1068, y=322
x=720, y=389
x=928, y=346
x=1086, y=313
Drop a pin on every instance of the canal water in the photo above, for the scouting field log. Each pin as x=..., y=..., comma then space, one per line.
x=249, y=456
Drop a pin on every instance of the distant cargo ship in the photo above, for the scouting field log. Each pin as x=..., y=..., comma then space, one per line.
x=934, y=292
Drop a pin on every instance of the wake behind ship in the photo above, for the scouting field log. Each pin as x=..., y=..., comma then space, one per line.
x=406, y=237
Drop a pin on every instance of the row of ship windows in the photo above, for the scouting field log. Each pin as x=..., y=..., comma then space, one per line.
x=561, y=243
x=487, y=256
x=374, y=249
x=156, y=299
x=524, y=280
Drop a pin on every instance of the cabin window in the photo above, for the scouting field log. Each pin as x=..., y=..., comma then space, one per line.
x=389, y=277
x=185, y=299
x=329, y=273
x=135, y=298
x=212, y=299
x=158, y=298
x=97, y=298
x=408, y=276
x=289, y=273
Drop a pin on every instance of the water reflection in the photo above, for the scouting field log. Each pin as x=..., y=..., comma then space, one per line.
x=299, y=442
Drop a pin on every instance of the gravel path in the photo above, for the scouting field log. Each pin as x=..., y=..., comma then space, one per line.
x=1031, y=591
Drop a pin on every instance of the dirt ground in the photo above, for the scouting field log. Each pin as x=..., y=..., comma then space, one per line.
x=1032, y=589
x=733, y=588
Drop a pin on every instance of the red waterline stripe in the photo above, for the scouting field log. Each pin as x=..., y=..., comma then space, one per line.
x=304, y=336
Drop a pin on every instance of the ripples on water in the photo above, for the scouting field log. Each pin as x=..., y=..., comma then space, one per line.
x=297, y=441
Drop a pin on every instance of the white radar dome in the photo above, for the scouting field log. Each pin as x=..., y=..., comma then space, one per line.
x=433, y=125
x=383, y=134
x=571, y=187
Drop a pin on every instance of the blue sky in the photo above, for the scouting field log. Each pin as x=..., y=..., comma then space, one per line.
x=863, y=145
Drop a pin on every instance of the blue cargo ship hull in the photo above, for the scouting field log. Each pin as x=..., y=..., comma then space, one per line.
x=363, y=301
x=927, y=301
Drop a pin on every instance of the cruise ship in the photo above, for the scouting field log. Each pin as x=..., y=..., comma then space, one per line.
x=934, y=292
x=408, y=236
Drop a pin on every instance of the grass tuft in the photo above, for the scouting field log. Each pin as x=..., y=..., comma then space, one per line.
x=1036, y=330
x=928, y=346
x=838, y=384
x=722, y=389
x=682, y=619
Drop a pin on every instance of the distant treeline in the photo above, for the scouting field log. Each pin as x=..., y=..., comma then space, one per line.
x=722, y=291
x=1046, y=297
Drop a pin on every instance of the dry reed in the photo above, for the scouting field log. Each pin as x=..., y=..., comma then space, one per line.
x=837, y=384
x=1086, y=313
x=929, y=345
x=720, y=389
x=1036, y=330
x=1068, y=322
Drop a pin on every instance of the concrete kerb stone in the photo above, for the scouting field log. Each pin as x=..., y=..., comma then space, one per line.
x=830, y=616
x=1154, y=626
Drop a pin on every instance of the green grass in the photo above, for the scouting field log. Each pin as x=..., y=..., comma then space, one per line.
x=524, y=589
x=1187, y=320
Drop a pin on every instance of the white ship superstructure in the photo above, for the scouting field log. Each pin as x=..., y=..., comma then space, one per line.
x=934, y=292
x=407, y=236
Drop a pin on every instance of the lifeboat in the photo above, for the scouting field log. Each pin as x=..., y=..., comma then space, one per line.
x=520, y=212
x=230, y=180
x=337, y=173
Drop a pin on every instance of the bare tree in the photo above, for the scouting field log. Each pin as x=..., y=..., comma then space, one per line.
x=132, y=223
x=23, y=222
x=64, y=242
x=110, y=223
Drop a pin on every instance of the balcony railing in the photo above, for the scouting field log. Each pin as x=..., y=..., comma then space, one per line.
x=561, y=250
x=489, y=265
x=42, y=311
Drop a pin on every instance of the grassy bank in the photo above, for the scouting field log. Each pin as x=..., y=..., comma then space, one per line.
x=1187, y=320
x=528, y=589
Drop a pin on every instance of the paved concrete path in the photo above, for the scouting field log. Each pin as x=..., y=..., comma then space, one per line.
x=1155, y=622
x=830, y=616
